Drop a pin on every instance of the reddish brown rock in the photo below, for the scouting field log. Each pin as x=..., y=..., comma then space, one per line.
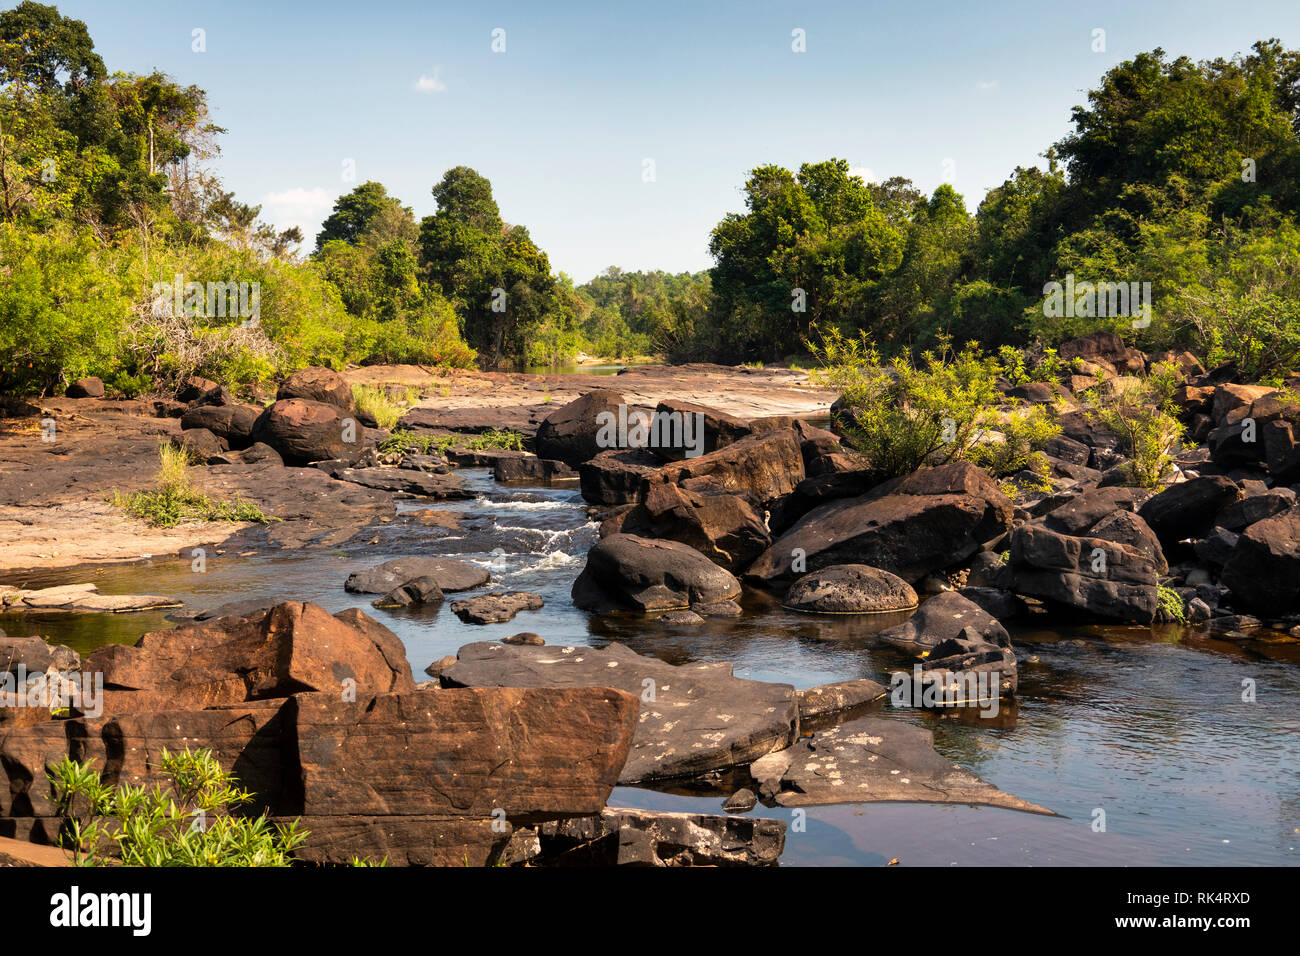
x=318, y=385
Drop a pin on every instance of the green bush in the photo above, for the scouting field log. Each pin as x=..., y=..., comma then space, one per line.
x=175, y=500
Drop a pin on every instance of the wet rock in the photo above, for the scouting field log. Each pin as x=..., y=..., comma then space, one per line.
x=84, y=597
x=1187, y=509
x=305, y=431
x=532, y=469
x=680, y=618
x=525, y=638
x=425, y=484
x=874, y=759
x=723, y=528
x=620, y=476
x=718, y=609
x=318, y=384
x=650, y=575
x=422, y=778
x=496, y=607
x=850, y=589
x=1092, y=574
x=742, y=801
x=1264, y=570
x=232, y=660
x=249, y=607
x=86, y=388
x=944, y=617
x=694, y=718
x=931, y=520
x=233, y=424
x=829, y=699
x=417, y=591
x=569, y=434
x=618, y=837
x=451, y=575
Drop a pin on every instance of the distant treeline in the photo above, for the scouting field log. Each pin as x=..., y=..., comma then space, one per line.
x=1179, y=174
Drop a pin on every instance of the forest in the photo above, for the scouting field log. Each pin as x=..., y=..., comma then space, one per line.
x=1180, y=176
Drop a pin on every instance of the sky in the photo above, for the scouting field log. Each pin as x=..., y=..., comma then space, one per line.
x=621, y=133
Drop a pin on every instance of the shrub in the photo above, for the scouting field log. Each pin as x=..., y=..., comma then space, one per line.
x=1024, y=433
x=187, y=823
x=175, y=500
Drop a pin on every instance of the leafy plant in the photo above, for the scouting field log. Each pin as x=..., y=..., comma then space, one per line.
x=186, y=823
x=1170, y=603
x=175, y=499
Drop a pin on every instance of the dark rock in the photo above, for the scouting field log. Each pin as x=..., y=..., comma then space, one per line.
x=1125, y=527
x=496, y=607
x=201, y=444
x=619, y=476
x=1241, y=514
x=532, y=469
x=679, y=732
x=422, y=590
x=719, y=429
x=618, y=837
x=304, y=431
x=944, y=617
x=193, y=386
x=526, y=638
x=1264, y=570
x=850, y=589
x=742, y=801
x=761, y=468
x=996, y=602
x=830, y=699
x=1080, y=512
x=569, y=434
x=1092, y=574
x=425, y=484
x=232, y=423
x=718, y=609
x=318, y=384
x=86, y=388
x=1107, y=348
x=1067, y=449
x=651, y=575
x=450, y=574
x=723, y=528
x=688, y=618
x=1216, y=547
x=1187, y=509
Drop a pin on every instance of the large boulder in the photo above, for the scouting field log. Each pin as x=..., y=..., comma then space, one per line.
x=569, y=434
x=723, y=528
x=1076, y=513
x=850, y=589
x=966, y=651
x=1264, y=569
x=708, y=429
x=925, y=523
x=1092, y=574
x=305, y=431
x=289, y=648
x=318, y=384
x=233, y=423
x=643, y=574
x=90, y=387
x=679, y=731
x=1187, y=509
x=1106, y=349
x=762, y=468
x=944, y=617
x=619, y=476
x=449, y=573
x=1125, y=527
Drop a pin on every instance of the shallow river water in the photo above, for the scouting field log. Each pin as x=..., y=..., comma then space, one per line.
x=1147, y=725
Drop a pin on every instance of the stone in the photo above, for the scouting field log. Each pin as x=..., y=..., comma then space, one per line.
x=80, y=598
x=761, y=468
x=233, y=424
x=424, y=484
x=650, y=575
x=829, y=700
x=719, y=429
x=850, y=589
x=1104, y=348
x=569, y=434
x=680, y=618
x=530, y=468
x=619, y=476
x=496, y=607
x=1216, y=547
x=694, y=718
x=305, y=431
x=318, y=384
x=724, y=528
x=1060, y=567
x=742, y=801
x=527, y=638
x=1187, y=509
x=1079, y=512
x=1125, y=527
x=873, y=759
x=90, y=387
x=422, y=590
x=618, y=837
x=451, y=575
x=1264, y=569
x=944, y=617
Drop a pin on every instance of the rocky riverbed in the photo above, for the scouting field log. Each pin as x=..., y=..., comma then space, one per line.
x=671, y=642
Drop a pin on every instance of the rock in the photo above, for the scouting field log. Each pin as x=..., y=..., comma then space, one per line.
x=1231, y=397
x=31, y=653
x=1282, y=451
x=435, y=669
x=86, y=597
x=249, y=607
x=930, y=521
x=532, y=469
x=1216, y=547
x=526, y=638
x=1067, y=449
x=694, y=718
x=1079, y=512
x=496, y=607
x=650, y=575
x=1125, y=527
x=1084, y=427
x=451, y=575
x=1187, y=509
x=875, y=759
x=850, y=589
x=232, y=423
x=995, y=601
x=86, y=388
x=424, y=778
x=723, y=528
x=304, y=431
x=718, y=609
x=619, y=476
x=1264, y=570
x=761, y=468
x=680, y=618
x=944, y=617
x=719, y=429
x=1198, y=612
x=569, y=434
x=618, y=837
x=1244, y=512
x=192, y=387
x=425, y=484
x=232, y=660
x=831, y=699
x=742, y=801
x=318, y=384
x=1106, y=349
x=1188, y=365
x=1092, y=574
x=422, y=590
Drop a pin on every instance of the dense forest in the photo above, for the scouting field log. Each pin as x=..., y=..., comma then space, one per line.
x=1179, y=174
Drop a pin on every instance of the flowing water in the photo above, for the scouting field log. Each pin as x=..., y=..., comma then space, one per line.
x=1147, y=725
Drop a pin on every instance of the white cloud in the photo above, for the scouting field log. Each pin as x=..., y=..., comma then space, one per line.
x=304, y=208
x=987, y=85
x=430, y=84
x=864, y=171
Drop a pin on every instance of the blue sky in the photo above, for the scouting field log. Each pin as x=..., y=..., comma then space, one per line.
x=564, y=120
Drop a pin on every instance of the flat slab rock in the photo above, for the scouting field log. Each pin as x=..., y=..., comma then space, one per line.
x=872, y=760
x=699, y=718
x=426, y=484
x=496, y=607
x=84, y=597
x=451, y=575
x=618, y=837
